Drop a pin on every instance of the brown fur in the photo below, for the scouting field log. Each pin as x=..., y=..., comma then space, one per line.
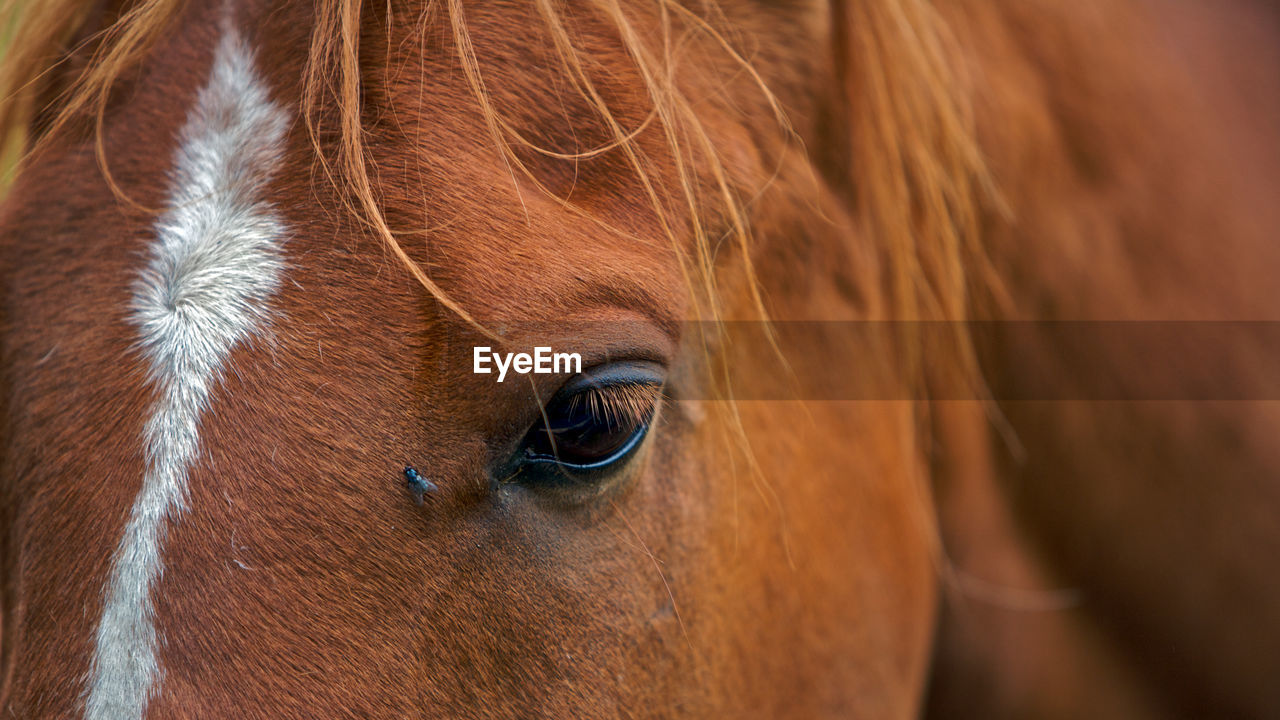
x=458, y=170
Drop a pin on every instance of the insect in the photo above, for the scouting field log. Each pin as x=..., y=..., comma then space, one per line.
x=418, y=485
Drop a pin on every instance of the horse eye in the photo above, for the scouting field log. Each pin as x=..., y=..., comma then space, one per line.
x=595, y=422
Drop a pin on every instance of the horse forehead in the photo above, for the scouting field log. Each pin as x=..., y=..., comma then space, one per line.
x=550, y=174
x=503, y=240
x=488, y=231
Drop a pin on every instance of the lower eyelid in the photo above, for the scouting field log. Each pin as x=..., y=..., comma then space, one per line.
x=619, y=458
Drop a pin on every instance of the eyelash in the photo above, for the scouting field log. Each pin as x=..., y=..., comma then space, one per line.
x=631, y=402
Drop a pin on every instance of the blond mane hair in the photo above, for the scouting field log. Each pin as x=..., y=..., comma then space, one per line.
x=920, y=177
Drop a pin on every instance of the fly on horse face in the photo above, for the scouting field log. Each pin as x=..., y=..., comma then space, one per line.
x=255, y=251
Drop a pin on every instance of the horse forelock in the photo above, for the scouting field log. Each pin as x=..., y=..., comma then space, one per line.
x=909, y=160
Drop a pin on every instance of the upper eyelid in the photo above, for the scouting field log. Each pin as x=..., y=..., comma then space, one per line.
x=620, y=372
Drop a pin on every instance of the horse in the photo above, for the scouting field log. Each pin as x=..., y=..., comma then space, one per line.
x=251, y=250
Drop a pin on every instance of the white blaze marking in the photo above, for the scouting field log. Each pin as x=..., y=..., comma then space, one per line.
x=213, y=266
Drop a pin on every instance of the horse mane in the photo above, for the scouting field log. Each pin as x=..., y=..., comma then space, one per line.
x=908, y=164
